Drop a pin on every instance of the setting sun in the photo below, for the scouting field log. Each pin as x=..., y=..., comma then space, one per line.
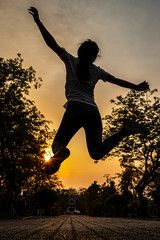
x=47, y=156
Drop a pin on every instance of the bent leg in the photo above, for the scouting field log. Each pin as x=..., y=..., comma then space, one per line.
x=93, y=128
x=99, y=151
x=70, y=124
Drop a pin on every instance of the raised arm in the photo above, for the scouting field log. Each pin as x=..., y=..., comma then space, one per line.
x=140, y=87
x=49, y=39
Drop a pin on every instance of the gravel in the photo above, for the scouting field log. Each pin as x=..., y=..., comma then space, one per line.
x=79, y=228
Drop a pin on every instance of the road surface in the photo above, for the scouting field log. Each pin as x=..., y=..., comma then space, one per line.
x=79, y=228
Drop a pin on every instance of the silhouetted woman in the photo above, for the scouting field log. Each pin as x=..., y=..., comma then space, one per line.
x=81, y=109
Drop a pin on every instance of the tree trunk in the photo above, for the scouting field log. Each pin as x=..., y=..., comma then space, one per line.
x=12, y=190
x=143, y=205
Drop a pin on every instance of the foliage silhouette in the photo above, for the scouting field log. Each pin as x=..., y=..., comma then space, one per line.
x=139, y=157
x=24, y=132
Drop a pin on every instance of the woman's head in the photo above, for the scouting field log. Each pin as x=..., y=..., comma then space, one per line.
x=88, y=51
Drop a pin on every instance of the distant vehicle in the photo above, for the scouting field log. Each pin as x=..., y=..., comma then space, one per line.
x=77, y=212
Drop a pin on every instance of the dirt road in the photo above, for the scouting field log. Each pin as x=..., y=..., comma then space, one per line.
x=79, y=228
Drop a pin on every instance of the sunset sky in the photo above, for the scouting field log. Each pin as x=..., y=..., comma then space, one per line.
x=128, y=34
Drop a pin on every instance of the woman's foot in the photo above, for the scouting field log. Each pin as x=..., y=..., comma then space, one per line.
x=131, y=127
x=53, y=164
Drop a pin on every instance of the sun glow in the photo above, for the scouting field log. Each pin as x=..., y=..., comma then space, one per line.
x=48, y=155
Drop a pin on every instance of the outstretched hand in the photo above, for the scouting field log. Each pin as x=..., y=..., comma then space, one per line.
x=34, y=12
x=143, y=86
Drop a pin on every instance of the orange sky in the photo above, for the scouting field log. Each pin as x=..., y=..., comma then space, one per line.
x=127, y=32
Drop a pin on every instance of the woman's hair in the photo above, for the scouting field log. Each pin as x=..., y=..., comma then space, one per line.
x=87, y=54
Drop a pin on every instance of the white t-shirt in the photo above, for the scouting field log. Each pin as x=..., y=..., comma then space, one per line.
x=74, y=89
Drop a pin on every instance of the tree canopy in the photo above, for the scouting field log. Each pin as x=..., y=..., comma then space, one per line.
x=139, y=157
x=24, y=131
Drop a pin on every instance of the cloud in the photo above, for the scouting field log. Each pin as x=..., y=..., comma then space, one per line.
x=127, y=31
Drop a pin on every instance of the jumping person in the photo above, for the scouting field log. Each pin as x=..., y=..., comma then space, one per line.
x=81, y=109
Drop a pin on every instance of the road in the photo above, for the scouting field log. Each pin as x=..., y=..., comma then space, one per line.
x=79, y=228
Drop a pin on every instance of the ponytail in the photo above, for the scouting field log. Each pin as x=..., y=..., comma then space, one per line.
x=87, y=54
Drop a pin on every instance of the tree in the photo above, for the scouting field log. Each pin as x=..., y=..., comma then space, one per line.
x=24, y=131
x=96, y=200
x=45, y=198
x=155, y=194
x=93, y=199
x=138, y=155
x=89, y=200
